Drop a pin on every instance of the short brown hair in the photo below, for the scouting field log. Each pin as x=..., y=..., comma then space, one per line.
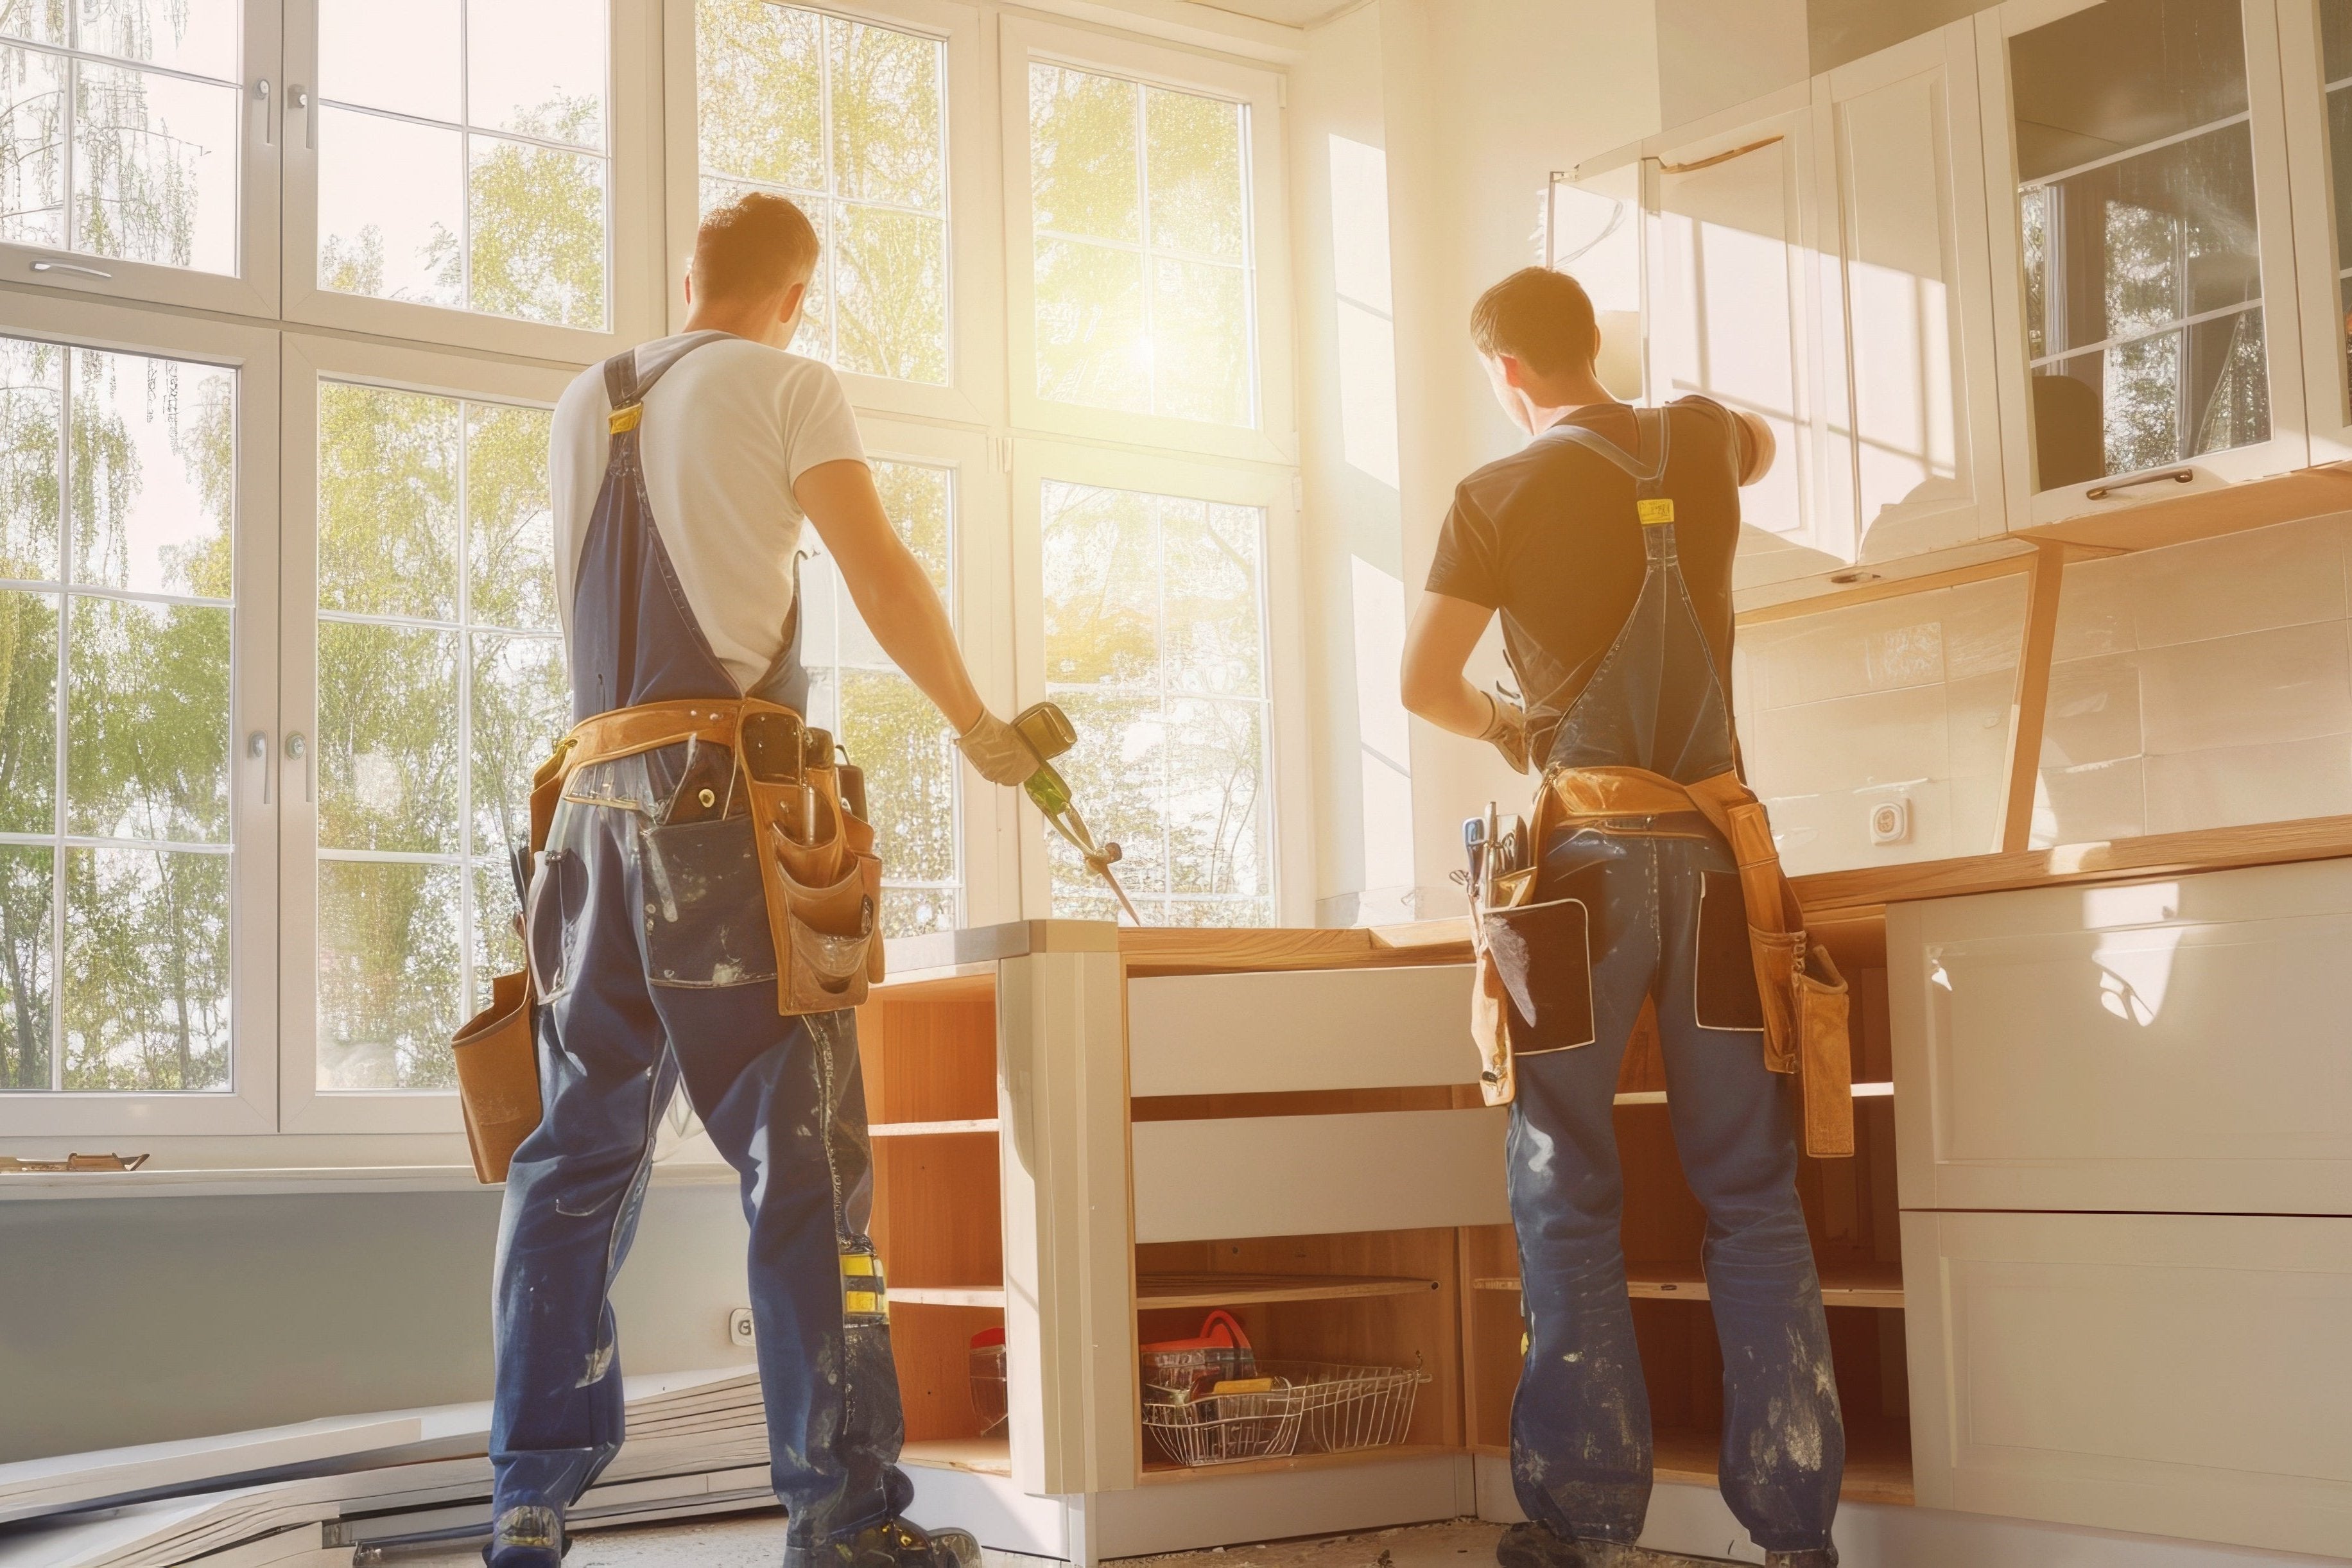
x=1540, y=318
x=756, y=244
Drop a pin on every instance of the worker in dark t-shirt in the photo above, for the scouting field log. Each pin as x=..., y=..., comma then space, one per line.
x=1606, y=545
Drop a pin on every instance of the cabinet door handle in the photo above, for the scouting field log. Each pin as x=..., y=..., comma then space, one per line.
x=2178, y=475
x=256, y=746
x=301, y=97
x=261, y=91
x=299, y=749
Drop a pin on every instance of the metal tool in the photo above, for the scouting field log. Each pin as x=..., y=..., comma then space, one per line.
x=1049, y=733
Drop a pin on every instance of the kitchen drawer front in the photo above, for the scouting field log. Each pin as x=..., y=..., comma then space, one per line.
x=2172, y=1374
x=1306, y=1028
x=1312, y=1175
x=2165, y=1046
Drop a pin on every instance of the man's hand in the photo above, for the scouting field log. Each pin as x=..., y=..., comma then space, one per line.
x=1507, y=732
x=997, y=752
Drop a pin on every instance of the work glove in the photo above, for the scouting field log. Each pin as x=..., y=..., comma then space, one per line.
x=1507, y=731
x=997, y=752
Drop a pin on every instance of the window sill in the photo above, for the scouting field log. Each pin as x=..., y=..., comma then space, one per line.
x=28, y=1186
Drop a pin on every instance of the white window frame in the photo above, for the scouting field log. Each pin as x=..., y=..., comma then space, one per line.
x=1276, y=439
x=2318, y=269
x=304, y=1106
x=252, y=290
x=975, y=266
x=250, y=1102
x=2288, y=447
x=632, y=87
x=1289, y=776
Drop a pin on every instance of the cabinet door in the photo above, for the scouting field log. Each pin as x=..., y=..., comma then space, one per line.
x=2142, y=250
x=2171, y=1375
x=1734, y=306
x=1910, y=417
x=2315, y=61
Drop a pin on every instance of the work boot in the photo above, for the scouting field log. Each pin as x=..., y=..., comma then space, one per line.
x=1534, y=1544
x=528, y=1535
x=893, y=1544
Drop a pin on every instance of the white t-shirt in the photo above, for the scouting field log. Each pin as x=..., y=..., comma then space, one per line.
x=725, y=434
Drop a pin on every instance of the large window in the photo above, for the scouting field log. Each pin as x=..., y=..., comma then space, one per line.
x=115, y=835
x=440, y=686
x=848, y=119
x=462, y=155
x=1155, y=645
x=1140, y=206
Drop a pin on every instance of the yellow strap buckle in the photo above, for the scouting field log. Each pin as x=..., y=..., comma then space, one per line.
x=1653, y=512
x=626, y=419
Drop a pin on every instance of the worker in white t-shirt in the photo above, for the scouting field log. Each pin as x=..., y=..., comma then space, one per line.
x=694, y=797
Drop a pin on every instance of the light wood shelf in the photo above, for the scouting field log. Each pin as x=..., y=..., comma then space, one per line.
x=1159, y=1470
x=1843, y=1284
x=947, y=1296
x=1658, y=1096
x=980, y=1455
x=1153, y=1291
x=1877, y=1463
x=931, y=1129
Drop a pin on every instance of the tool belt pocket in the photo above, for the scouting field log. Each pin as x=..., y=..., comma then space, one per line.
x=825, y=931
x=1542, y=958
x=1825, y=1059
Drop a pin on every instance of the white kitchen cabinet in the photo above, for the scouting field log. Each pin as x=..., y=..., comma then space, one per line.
x=2174, y=1045
x=2315, y=66
x=2142, y=250
x=1910, y=447
x=2168, y=1375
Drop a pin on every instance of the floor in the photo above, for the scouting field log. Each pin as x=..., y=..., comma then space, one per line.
x=758, y=1541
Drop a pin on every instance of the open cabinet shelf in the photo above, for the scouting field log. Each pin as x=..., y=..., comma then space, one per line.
x=1843, y=1285
x=1212, y=1288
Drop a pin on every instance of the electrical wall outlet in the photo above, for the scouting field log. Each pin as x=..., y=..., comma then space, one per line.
x=738, y=1327
x=1890, y=821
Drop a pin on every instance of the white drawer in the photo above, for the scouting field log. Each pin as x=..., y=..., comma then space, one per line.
x=2164, y=1045
x=1311, y=1176
x=2173, y=1374
x=1307, y=1029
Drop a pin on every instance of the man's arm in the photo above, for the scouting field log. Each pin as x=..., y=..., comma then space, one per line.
x=1437, y=645
x=889, y=586
x=1760, y=447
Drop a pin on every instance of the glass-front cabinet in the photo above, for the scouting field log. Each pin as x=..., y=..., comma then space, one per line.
x=2143, y=261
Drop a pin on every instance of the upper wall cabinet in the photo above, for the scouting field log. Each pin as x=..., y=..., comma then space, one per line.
x=2315, y=61
x=1910, y=451
x=2143, y=254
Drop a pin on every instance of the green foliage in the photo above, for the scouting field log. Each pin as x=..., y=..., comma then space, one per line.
x=536, y=219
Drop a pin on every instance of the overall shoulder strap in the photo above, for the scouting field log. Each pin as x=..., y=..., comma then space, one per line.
x=625, y=385
x=1651, y=431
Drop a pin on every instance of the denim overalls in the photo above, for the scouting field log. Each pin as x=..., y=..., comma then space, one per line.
x=1666, y=924
x=649, y=938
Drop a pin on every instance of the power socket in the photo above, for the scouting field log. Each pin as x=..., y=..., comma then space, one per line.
x=1890, y=821
x=738, y=1327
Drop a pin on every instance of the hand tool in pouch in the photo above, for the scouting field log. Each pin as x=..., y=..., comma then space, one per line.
x=1049, y=733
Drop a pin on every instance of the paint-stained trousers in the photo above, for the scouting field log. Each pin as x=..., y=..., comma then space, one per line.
x=651, y=946
x=1581, y=1455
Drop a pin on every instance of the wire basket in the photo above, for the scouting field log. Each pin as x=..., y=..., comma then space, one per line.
x=987, y=1396
x=1342, y=1407
x=1223, y=1429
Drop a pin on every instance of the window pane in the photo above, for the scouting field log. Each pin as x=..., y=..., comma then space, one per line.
x=154, y=168
x=28, y=718
x=194, y=36
x=388, y=974
x=538, y=219
x=818, y=109
x=432, y=713
x=2137, y=199
x=537, y=67
x=392, y=208
x=889, y=728
x=32, y=393
x=146, y=993
x=32, y=148
x=2336, y=37
x=147, y=722
x=1149, y=601
x=429, y=209
x=24, y=974
x=42, y=21
x=154, y=466
x=1196, y=172
x=401, y=57
x=1133, y=314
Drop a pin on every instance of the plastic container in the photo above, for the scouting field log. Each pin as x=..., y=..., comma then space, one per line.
x=987, y=1396
x=1221, y=1351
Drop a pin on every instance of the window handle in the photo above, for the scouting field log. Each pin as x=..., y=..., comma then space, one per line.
x=261, y=92
x=256, y=746
x=301, y=97
x=47, y=265
x=298, y=750
x=2100, y=492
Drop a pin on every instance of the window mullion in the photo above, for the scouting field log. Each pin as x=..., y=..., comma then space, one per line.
x=465, y=911
x=65, y=642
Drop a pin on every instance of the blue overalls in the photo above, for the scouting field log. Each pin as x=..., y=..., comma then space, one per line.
x=648, y=939
x=1666, y=924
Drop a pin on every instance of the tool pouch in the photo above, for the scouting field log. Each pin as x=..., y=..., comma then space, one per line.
x=817, y=865
x=497, y=1076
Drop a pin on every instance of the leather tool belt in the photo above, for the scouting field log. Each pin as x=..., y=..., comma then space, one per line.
x=817, y=867
x=1804, y=998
